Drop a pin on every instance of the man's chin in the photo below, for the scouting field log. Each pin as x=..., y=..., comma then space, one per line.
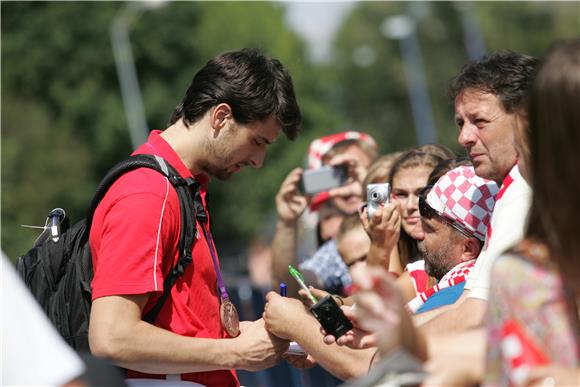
x=481, y=169
x=222, y=175
x=485, y=171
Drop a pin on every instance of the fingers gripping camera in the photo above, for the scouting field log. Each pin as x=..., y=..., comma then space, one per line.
x=377, y=196
x=331, y=317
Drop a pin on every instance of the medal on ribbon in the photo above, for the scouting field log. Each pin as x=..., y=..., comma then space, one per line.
x=229, y=317
x=228, y=313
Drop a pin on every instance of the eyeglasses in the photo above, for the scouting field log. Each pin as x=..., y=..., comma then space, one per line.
x=429, y=212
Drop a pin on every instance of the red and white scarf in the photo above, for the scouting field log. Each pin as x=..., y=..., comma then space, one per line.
x=454, y=277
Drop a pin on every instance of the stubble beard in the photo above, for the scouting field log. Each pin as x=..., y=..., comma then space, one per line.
x=220, y=155
x=436, y=262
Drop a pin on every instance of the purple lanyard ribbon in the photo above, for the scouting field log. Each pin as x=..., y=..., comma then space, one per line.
x=222, y=288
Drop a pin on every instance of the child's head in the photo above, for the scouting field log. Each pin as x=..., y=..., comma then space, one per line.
x=353, y=241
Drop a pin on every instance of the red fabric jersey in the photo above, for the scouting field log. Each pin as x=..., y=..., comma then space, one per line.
x=134, y=238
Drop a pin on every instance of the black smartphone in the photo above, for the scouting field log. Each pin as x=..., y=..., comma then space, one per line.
x=323, y=179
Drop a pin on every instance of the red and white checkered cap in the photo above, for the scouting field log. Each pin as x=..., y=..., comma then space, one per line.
x=463, y=196
x=319, y=147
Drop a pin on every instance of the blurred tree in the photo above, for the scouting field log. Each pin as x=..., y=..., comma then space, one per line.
x=59, y=55
x=369, y=73
x=529, y=27
x=41, y=170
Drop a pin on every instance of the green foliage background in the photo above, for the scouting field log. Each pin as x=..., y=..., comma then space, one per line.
x=63, y=122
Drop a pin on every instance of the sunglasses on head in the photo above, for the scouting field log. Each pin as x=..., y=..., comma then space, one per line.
x=429, y=212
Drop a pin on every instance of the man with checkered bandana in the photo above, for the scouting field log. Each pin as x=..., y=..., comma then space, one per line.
x=455, y=214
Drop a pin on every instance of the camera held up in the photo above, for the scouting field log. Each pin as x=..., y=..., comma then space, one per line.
x=377, y=196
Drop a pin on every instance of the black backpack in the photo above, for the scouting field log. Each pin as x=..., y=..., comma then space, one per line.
x=59, y=270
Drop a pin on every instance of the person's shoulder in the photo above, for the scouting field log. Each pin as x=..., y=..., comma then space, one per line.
x=518, y=189
x=142, y=181
x=515, y=203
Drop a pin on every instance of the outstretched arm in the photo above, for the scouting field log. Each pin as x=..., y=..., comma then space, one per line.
x=379, y=316
x=466, y=314
x=117, y=332
x=290, y=204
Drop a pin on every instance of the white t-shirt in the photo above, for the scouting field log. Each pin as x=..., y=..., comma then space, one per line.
x=507, y=224
x=33, y=352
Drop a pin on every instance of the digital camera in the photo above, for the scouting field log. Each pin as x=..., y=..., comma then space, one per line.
x=331, y=317
x=377, y=196
x=323, y=179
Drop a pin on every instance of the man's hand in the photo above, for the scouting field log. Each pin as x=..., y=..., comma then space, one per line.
x=283, y=315
x=290, y=202
x=356, y=174
x=356, y=338
x=258, y=348
x=379, y=306
x=317, y=293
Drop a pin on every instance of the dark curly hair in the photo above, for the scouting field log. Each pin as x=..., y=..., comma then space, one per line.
x=504, y=73
x=254, y=86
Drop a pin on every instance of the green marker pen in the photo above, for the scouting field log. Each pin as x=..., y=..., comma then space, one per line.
x=298, y=277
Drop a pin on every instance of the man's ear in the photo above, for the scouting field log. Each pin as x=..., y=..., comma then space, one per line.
x=220, y=115
x=471, y=249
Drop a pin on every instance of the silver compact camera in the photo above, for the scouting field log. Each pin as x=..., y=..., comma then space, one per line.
x=377, y=196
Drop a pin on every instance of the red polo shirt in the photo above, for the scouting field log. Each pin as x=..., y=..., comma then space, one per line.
x=134, y=238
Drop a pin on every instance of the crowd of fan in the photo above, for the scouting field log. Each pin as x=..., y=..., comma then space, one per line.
x=469, y=274
x=473, y=265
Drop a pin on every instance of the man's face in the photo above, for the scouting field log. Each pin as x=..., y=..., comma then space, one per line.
x=350, y=204
x=238, y=145
x=486, y=131
x=440, y=247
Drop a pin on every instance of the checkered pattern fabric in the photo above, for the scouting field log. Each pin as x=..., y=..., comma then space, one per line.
x=463, y=196
x=319, y=147
x=461, y=270
x=454, y=277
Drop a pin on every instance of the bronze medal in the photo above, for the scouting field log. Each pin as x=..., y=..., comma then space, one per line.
x=229, y=317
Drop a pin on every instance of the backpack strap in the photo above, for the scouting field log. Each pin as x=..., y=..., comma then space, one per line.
x=187, y=190
x=184, y=188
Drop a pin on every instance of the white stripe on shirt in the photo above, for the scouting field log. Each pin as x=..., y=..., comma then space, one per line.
x=159, y=232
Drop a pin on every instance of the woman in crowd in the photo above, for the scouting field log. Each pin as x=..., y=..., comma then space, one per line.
x=408, y=176
x=533, y=328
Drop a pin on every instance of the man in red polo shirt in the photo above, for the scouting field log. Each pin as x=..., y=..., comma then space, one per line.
x=236, y=105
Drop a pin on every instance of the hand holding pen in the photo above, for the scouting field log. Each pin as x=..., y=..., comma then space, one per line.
x=298, y=277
